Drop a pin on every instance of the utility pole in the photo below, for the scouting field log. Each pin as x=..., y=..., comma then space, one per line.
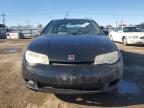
x=3, y=18
x=116, y=24
x=67, y=14
x=27, y=22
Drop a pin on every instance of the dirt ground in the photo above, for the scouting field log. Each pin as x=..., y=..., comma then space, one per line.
x=13, y=93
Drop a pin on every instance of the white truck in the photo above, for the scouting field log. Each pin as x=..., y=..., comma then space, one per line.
x=14, y=35
x=127, y=35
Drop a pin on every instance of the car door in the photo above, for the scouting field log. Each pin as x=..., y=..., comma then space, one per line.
x=113, y=34
x=119, y=34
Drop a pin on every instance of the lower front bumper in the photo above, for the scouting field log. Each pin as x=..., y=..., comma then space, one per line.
x=71, y=91
x=72, y=79
x=2, y=36
x=135, y=41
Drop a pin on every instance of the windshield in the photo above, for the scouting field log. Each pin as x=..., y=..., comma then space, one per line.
x=72, y=27
x=132, y=29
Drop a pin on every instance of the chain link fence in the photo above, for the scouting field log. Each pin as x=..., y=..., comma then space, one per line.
x=30, y=32
x=27, y=32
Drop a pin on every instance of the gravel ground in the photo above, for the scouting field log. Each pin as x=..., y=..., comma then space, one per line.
x=13, y=93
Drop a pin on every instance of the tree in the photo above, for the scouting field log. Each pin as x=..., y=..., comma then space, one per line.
x=39, y=26
x=109, y=26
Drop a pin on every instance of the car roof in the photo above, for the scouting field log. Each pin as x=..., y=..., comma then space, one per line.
x=72, y=19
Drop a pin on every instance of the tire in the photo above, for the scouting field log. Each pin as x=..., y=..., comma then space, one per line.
x=125, y=41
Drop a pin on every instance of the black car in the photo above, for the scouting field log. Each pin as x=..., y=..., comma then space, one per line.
x=2, y=33
x=72, y=56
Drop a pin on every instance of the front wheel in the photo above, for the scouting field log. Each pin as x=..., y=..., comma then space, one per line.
x=125, y=41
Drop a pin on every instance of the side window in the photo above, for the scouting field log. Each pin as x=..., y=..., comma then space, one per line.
x=120, y=29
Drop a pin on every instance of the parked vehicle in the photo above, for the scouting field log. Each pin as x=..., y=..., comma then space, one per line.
x=2, y=33
x=72, y=56
x=14, y=35
x=127, y=35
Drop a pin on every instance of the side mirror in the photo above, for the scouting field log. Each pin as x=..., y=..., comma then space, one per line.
x=102, y=27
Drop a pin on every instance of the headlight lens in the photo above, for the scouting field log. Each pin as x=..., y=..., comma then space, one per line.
x=35, y=58
x=108, y=58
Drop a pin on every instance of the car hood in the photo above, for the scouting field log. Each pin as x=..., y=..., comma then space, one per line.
x=82, y=48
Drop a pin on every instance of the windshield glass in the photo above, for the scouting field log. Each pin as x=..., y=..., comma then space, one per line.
x=132, y=29
x=73, y=27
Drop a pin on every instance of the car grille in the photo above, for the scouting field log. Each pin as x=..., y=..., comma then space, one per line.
x=142, y=37
x=74, y=87
x=70, y=63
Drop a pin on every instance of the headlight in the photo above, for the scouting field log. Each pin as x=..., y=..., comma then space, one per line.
x=108, y=58
x=34, y=58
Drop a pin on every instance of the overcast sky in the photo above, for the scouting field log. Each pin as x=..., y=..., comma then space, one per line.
x=42, y=11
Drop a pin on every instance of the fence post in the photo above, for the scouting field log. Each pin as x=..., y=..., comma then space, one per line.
x=31, y=32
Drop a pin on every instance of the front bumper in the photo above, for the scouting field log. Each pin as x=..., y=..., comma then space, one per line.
x=135, y=41
x=2, y=36
x=72, y=79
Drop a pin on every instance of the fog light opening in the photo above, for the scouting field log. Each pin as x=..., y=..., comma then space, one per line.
x=30, y=82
